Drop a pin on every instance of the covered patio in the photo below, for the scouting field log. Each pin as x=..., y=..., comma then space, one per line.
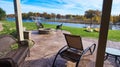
x=42, y=53
x=47, y=45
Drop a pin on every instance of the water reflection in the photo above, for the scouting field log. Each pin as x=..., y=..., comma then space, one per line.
x=114, y=27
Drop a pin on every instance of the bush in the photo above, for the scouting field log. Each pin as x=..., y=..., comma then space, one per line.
x=2, y=14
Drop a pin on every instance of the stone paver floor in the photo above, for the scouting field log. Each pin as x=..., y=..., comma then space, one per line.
x=47, y=45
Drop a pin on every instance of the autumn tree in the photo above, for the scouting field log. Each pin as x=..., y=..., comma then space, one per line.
x=89, y=14
x=53, y=15
x=116, y=19
x=37, y=14
x=69, y=16
x=25, y=16
x=48, y=16
x=58, y=16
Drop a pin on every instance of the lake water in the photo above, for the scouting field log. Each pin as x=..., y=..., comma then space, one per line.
x=114, y=27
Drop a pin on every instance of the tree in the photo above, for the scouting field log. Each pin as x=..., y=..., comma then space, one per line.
x=48, y=16
x=11, y=15
x=44, y=15
x=53, y=15
x=37, y=14
x=89, y=14
x=58, y=16
x=25, y=16
x=69, y=16
x=2, y=14
x=115, y=19
x=30, y=14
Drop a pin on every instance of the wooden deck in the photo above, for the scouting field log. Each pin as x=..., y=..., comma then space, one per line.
x=47, y=45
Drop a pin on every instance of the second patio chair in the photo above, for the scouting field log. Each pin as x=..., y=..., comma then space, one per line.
x=59, y=27
x=39, y=25
x=74, y=49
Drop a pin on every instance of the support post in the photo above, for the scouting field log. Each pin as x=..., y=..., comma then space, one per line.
x=105, y=19
x=18, y=21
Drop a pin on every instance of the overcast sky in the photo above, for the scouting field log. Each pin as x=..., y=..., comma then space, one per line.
x=77, y=7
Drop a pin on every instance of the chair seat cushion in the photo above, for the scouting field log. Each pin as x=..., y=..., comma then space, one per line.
x=69, y=55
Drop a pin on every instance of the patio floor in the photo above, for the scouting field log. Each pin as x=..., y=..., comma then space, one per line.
x=47, y=45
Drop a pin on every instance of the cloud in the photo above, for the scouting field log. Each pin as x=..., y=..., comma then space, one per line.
x=7, y=6
x=115, y=7
x=116, y=2
x=27, y=8
x=59, y=6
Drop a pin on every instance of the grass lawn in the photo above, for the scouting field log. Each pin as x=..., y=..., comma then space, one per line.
x=9, y=28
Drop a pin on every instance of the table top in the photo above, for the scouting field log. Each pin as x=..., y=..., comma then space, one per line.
x=113, y=51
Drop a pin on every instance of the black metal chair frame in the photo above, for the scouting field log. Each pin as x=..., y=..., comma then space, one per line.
x=82, y=52
x=39, y=25
x=59, y=27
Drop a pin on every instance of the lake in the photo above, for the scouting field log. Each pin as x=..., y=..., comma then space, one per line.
x=114, y=27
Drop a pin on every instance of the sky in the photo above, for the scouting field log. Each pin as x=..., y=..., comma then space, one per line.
x=75, y=7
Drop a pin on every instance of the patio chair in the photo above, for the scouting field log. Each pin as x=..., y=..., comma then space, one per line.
x=39, y=25
x=59, y=27
x=74, y=49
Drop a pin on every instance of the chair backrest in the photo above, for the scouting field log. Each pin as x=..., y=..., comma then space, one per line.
x=59, y=26
x=74, y=41
x=39, y=25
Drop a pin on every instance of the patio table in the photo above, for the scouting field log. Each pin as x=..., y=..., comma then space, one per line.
x=113, y=52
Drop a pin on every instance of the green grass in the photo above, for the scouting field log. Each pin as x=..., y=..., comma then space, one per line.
x=10, y=28
x=112, y=34
x=14, y=46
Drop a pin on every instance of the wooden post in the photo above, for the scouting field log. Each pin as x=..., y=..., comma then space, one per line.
x=106, y=12
x=27, y=35
x=18, y=17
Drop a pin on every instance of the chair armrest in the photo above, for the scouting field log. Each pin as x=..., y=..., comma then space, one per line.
x=84, y=51
x=94, y=46
x=89, y=48
x=62, y=48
